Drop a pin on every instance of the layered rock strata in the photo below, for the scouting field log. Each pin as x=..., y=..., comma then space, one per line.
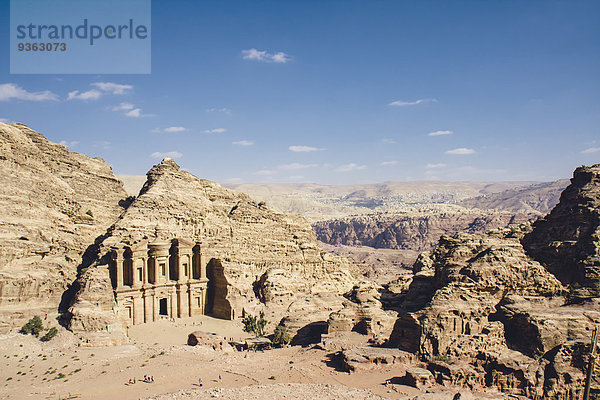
x=415, y=229
x=54, y=203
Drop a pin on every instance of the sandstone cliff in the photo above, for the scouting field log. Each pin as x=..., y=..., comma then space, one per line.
x=258, y=257
x=567, y=241
x=416, y=228
x=54, y=203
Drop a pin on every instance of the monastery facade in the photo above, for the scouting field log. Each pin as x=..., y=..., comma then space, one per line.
x=160, y=279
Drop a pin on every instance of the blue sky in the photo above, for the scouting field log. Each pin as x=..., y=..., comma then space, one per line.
x=338, y=92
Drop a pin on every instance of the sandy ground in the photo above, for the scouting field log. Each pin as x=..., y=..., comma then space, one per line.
x=60, y=369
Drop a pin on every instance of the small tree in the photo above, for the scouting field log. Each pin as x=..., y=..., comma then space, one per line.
x=255, y=325
x=281, y=337
x=49, y=335
x=34, y=326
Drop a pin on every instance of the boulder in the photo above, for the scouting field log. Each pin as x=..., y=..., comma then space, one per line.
x=210, y=340
x=418, y=377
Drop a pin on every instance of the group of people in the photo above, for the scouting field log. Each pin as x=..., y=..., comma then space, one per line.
x=147, y=379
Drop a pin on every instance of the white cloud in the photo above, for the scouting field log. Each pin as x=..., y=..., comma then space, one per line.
x=4, y=120
x=350, y=167
x=223, y=110
x=264, y=56
x=10, y=91
x=433, y=166
x=69, y=144
x=265, y=172
x=216, y=130
x=132, y=111
x=296, y=166
x=401, y=103
x=112, y=88
x=244, y=143
x=440, y=133
x=386, y=163
x=304, y=149
x=89, y=95
x=591, y=150
x=388, y=141
x=173, y=129
x=137, y=113
x=461, y=151
x=104, y=87
x=123, y=107
x=170, y=154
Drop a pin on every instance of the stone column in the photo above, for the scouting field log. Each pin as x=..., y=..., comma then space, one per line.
x=172, y=305
x=144, y=271
x=203, y=301
x=191, y=303
x=180, y=292
x=148, y=306
x=138, y=309
x=118, y=260
x=154, y=308
x=179, y=268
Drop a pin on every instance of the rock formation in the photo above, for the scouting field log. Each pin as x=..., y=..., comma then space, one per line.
x=54, y=204
x=209, y=340
x=567, y=241
x=513, y=308
x=253, y=256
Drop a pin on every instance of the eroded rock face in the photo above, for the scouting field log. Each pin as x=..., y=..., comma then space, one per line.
x=416, y=229
x=255, y=257
x=567, y=241
x=93, y=313
x=502, y=316
x=472, y=274
x=363, y=313
x=54, y=203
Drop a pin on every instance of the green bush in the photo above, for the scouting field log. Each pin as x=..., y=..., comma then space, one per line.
x=255, y=325
x=49, y=335
x=281, y=337
x=34, y=326
x=444, y=358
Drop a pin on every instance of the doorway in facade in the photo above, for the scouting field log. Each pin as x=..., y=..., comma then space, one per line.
x=162, y=307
